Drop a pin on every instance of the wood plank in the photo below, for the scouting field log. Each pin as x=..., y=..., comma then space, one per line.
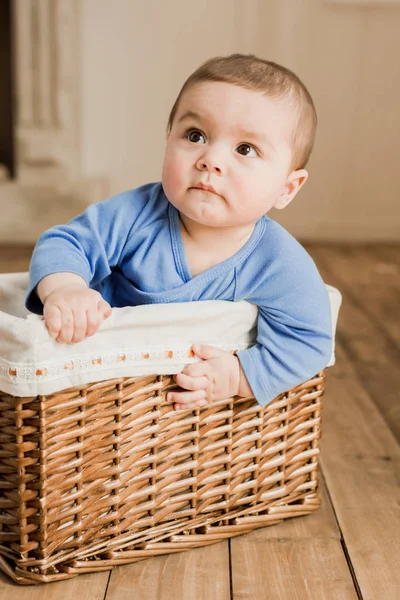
x=359, y=265
x=390, y=253
x=298, y=570
x=374, y=283
x=296, y=559
x=361, y=462
x=386, y=261
x=386, y=258
x=375, y=356
x=198, y=574
x=91, y=586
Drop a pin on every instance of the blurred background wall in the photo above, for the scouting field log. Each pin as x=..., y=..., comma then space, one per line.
x=136, y=55
x=132, y=57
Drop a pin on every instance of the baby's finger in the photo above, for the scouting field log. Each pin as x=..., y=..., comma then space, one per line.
x=198, y=369
x=192, y=383
x=192, y=406
x=52, y=316
x=80, y=324
x=205, y=352
x=186, y=397
x=104, y=309
x=67, y=326
x=93, y=320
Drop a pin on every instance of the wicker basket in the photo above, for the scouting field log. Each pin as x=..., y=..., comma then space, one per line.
x=107, y=474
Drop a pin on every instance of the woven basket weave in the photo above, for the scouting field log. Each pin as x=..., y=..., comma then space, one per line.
x=108, y=474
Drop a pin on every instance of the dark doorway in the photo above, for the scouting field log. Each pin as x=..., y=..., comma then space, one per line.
x=6, y=91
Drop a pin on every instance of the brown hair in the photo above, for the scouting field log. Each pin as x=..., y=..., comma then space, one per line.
x=275, y=81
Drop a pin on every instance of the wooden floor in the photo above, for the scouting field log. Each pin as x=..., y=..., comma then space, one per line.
x=348, y=549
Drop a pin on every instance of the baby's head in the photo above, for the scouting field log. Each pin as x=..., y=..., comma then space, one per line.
x=245, y=128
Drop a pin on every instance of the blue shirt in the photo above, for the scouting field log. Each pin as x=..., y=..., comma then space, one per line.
x=130, y=249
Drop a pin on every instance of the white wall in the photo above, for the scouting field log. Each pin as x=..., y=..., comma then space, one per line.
x=136, y=55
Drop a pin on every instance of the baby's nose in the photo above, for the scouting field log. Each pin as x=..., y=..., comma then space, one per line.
x=204, y=165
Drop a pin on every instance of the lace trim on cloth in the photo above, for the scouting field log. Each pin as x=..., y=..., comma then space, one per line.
x=23, y=372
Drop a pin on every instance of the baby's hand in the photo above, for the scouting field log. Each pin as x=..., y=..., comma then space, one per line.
x=74, y=312
x=218, y=376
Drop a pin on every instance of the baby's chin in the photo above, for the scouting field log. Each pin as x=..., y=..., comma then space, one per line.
x=205, y=216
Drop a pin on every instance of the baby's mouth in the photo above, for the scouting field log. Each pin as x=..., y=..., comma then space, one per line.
x=205, y=188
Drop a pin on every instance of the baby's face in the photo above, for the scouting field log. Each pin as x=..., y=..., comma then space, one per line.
x=234, y=140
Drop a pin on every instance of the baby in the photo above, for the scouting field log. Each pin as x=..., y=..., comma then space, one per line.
x=239, y=136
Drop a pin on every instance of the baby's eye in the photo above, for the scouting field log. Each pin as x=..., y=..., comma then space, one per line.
x=247, y=150
x=195, y=136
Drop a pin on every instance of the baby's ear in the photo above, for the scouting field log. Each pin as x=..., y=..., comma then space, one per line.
x=295, y=181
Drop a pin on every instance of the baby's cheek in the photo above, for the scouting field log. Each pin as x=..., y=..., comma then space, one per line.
x=243, y=191
x=173, y=171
